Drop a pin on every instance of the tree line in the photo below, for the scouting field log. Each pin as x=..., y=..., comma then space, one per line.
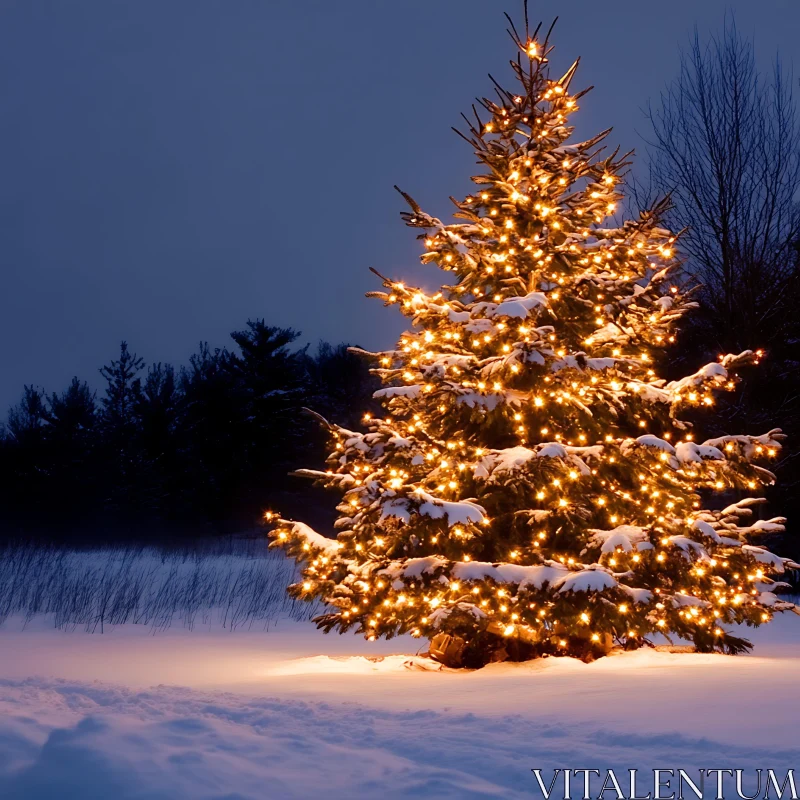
x=212, y=443
x=162, y=451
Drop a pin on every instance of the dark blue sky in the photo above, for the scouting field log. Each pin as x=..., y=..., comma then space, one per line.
x=169, y=168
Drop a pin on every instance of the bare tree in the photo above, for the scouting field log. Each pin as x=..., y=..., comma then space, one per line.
x=726, y=146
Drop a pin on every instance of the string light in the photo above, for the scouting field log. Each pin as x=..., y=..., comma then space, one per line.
x=521, y=422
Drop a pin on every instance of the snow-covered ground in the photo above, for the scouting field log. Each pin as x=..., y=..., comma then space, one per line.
x=290, y=712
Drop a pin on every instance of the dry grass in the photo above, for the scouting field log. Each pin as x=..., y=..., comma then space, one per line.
x=233, y=584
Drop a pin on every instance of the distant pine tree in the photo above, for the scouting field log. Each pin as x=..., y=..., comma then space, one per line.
x=156, y=409
x=120, y=434
x=123, y=391
x=205, y=435
x=76, y=475
x=26, y=420
x=27, y=465
x=272, y=386
x=242, y=423
x=73, y=413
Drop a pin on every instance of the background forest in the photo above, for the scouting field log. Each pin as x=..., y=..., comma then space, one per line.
x=177, y=451
x=162, y=451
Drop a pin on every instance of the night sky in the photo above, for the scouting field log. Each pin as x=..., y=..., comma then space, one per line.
x=170, y=168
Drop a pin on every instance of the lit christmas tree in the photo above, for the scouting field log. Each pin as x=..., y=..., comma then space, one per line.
x=532, y=489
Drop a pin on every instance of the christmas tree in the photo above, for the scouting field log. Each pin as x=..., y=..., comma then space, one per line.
x=531, y=488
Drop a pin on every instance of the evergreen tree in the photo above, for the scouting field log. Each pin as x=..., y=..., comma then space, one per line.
x=240, y=427
x=157, y=409
x=123, y=391
x=270, y=386
x=532, y=487
x=71, y=443
x=71, y=414
x=27, y=468
x=206, y=434
x=26, y=420
x=271, y=380
x=118, y=424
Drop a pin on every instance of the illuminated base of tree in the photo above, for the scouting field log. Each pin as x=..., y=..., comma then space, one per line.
x=495, y=643
x=486, y=648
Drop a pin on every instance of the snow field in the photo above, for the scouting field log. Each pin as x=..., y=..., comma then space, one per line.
x=217, y=693
x=293, y=713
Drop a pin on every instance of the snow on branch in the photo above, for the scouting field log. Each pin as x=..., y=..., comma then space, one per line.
x=495, y=462
x=292, y=533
